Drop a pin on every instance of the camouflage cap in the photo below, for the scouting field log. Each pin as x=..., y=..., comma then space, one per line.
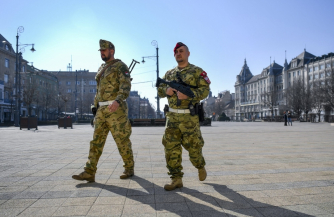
x=104, y=44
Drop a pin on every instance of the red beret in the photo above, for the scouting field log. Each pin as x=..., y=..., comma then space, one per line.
x=178, y=44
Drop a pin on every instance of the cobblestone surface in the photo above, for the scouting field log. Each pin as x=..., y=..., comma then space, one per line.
x=254, y=169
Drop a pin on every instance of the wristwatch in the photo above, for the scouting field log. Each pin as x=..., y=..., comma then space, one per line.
x=119, y=102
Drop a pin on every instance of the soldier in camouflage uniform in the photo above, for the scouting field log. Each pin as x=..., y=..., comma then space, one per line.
x=181, y=127
x=113, y=87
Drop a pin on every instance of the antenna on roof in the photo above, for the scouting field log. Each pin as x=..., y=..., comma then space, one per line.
x=285, y=54
x=69, y=67
x=305, y=48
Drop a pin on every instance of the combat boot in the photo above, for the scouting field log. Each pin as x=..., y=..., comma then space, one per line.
x=176, y=183
x=126, y=174
x=202, y=174
x=84, y=176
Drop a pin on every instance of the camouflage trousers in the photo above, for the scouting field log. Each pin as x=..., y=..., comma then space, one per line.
x=119, y=125
x=182, y=129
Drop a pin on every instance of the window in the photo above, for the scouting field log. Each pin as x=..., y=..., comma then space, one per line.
x=294, y=74
x=92, y=90
x=298, y=73
x=92, y=83
x=316, y=68
x=1, y=94
x=289, y=74
x=59, y=82
x=316, y=76
x=7, y=63
x=23, y=68
x=310, y=78
x=23, y=81
x=310, y=69
x=68, y=83
x=7, y=47
x=322, y=66
x=328, y=73
x=78, y=82
x=40, y=82
x=322, y=75
x=6, y=78
x=69, y=91
x=328, y=65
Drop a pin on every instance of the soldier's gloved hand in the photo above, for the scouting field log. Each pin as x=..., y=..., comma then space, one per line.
x=170, y=91
x=94, y=110
x=113, y=106
x=181, y=95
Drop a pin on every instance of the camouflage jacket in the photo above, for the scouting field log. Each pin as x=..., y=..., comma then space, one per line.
x=191, y=75
x=114, y=83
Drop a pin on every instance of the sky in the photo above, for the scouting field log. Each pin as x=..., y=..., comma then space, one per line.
x=220, y=34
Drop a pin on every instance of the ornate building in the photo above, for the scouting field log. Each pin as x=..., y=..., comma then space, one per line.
x=262, y=95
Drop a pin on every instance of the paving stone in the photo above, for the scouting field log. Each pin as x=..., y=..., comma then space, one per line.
x=72, y=211
x=49, y=202
x=252, y=171
x=38, y=211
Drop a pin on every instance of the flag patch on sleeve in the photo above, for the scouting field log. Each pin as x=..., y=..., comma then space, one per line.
x=205, y=76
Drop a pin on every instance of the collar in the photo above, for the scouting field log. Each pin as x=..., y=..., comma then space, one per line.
x=177, y=68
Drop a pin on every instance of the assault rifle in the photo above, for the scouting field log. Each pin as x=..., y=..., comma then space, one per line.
x=182, y=87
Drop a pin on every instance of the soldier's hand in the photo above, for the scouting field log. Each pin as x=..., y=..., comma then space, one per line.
x=181, y=95
x=170, y=91
x=113, y=106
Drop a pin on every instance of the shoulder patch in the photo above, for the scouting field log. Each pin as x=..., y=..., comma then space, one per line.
x=205, y=76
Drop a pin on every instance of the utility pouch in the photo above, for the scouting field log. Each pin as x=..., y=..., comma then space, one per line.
x=200, y=111
x=192, y=109
x=166, y=109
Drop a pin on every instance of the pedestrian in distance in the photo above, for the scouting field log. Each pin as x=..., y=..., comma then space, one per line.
x=285, y=118
x=113, y=87
x=182, y=124
x=289, y=118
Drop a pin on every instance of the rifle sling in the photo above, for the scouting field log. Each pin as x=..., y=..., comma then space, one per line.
x=102, y=71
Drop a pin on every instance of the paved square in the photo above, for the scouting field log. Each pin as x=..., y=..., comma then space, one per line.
x=254, y=169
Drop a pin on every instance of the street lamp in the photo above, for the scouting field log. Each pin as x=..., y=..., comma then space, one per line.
x=155, y=43
x=20, y=29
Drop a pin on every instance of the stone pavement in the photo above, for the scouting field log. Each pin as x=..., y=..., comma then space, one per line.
x=254, y=169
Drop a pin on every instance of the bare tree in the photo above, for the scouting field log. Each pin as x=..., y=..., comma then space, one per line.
x=47, y=98
x=219, y=106
x=30, y=93
x=65, y=98
x=269, y=99
x=328, y=90
x=294, y=96
x=318, y=96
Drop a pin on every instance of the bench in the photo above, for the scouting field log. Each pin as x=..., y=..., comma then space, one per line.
x=159, y=122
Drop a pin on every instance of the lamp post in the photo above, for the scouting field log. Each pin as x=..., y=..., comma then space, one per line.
x=155, y=43
x=20, y=29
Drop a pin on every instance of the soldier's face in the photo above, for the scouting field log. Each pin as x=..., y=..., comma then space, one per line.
x=106, y=54
x=182, y=54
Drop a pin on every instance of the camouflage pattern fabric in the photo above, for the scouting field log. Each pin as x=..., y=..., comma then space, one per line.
x=104, y=44
x=183, y=129
x=191, y=75
x=114, y=84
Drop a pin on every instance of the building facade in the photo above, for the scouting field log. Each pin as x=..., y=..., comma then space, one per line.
x=8, y=80
x=263, y=95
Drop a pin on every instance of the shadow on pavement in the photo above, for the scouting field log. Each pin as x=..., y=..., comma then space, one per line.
x=172, y=201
